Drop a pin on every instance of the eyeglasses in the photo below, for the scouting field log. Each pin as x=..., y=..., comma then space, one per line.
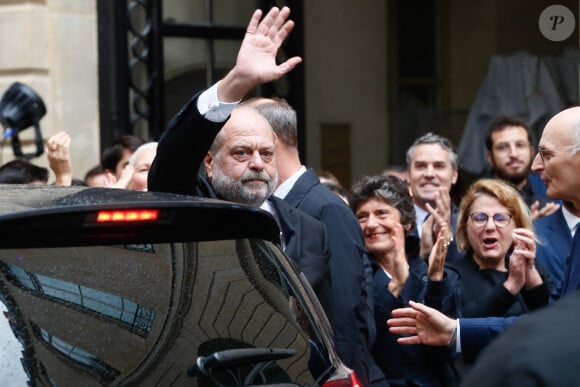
x=546, y=154
x=505, y=147
x=500, y=219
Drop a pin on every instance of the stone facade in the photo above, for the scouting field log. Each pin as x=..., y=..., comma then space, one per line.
x=51, y=46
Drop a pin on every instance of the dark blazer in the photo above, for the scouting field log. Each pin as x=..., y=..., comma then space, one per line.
x=353, y=321
x=483, y=293
x=179, y=157
x=553, y=247
x=571, y=282
x=413, y=365
x=477, y=333
x=542, y=349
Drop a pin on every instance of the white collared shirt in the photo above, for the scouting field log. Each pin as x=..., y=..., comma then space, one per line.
x=284, y=188
x=210, y=106
x=420, y=217
x=571, y=220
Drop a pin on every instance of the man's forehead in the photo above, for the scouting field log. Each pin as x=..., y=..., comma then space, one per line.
x=430, y=152
x=249, y=141
x=558, y=130
x=557, y=133
x=247, y=122
x=511, y=132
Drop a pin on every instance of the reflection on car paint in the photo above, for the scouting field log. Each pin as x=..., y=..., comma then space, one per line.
x=136, y=318
x=107, y=374
x=15, y=352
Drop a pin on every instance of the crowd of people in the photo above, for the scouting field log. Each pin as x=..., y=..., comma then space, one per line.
x=125, y=164
x=415, y=281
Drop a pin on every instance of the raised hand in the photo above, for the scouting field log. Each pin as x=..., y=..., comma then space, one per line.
x=548, y=209
x=59, y=161
x=439, y=217
x=425, y=325
x=516, y=273
x=442, y=212
x=398, y=265
x=427, y=237
x=438, y=254
x=256, y=60
x=125, y=178
x=525, y=246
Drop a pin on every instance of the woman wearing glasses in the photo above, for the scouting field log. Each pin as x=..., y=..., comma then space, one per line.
x=498, y=274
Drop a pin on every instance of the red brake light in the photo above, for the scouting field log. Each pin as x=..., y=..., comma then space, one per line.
x=350, y=381
x=126, y=216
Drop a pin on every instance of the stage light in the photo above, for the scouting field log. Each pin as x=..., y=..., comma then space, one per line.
x=22, y=108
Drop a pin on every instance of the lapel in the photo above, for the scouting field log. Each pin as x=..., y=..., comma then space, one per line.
x=559, y=233
x=301, y=188
x=288, y=223
x=554, y=234
x=572, y=276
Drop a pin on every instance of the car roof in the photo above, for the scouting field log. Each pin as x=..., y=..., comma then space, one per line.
x=55, y=216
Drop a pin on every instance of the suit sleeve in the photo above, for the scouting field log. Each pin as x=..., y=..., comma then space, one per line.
x=444, y=295
x=181, y=150
x=477, y=333
x=351, y=275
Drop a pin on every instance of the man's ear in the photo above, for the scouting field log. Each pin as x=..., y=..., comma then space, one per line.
x=489, y=159
x=208, y=162
x=455, y=176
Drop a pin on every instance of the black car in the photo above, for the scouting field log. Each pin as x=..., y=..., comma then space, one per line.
x=114, y=287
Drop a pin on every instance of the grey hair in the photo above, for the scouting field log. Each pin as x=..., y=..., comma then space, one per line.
x=281, y=117
x=391, y=189
x=431, y=138
x=218, y=141
x=141, y=149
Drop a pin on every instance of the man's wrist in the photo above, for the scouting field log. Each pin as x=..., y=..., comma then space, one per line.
x=453, y=338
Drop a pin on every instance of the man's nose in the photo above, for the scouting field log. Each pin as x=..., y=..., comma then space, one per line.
x=256, y=161
x=537, y=164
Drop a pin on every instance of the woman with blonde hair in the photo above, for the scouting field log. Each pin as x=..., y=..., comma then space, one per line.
x=498, y=273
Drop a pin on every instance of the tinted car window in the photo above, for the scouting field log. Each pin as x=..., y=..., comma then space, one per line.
x=229, y=312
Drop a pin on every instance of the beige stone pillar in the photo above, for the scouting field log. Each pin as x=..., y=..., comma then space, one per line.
x=51, y=46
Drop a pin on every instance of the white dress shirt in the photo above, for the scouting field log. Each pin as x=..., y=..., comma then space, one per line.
x=284, y=188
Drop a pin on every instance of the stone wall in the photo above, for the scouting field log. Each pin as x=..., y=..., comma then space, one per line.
x=51, y=46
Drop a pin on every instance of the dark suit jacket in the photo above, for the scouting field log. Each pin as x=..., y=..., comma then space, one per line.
x=571, y=282
x=412, y=365
x=553, y=247
x=477, y=333
x=180, y=153
x=353, y=321
x=542, y=349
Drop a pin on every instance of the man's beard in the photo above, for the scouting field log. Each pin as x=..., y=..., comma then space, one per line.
x=514, y=178
x=236, y=191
